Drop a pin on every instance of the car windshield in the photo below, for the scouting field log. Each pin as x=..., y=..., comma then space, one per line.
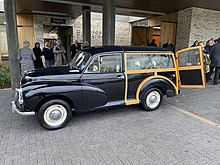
x=79, y=61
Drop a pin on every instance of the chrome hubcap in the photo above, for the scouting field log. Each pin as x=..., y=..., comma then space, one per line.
x=55, y=115
x=153, y=99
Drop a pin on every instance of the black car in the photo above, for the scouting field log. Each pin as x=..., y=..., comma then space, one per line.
x=106, y=77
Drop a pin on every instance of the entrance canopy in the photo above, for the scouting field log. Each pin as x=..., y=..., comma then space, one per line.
x=144, y=8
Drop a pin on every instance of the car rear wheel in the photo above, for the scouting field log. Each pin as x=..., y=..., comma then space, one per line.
x=54, y=114
x=152, y=99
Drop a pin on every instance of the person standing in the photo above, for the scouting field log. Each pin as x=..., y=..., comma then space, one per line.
x=48, y=54
x=208, y=46
x=206, y=60
x=59, y=54
x=26, y=57
x=215, y=61
x=168, y=45
x=85, y=45
x=196, y=43
x=38, y=53
x=75, y=48
x=153, y=43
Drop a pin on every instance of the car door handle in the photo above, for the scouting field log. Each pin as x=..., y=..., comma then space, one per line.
x=121, y=77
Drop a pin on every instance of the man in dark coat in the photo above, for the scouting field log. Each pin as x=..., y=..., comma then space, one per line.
x=153, y=43
x=168, y=45
x=215, y=60
x=75, y=48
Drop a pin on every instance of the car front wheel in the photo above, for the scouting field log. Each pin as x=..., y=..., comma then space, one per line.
x=54, y=114
x=152, y=99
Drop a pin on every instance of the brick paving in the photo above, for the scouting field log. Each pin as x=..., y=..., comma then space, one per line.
x=124, y=136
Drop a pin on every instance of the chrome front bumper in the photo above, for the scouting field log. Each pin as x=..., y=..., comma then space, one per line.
x=16, y=110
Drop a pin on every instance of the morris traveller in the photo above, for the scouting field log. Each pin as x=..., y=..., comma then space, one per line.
x=107, y=77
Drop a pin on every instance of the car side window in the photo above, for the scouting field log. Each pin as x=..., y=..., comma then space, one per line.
x=106, y=64
x=94, y=66
x=149, y=61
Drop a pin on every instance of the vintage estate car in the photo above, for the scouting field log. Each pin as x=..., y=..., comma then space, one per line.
x=107, y=77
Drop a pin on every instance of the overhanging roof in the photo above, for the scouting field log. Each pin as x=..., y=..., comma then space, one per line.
x=144, y=8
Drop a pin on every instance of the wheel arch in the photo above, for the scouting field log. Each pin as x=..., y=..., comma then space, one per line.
x=166, y=87
x=54, y=97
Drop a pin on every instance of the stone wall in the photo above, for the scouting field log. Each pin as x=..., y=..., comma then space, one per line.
x=183, y=28
x=122, y=31
x=3, y=35
x=41, y=20
x=197, y=24
x=3, y=40
x=205, y=25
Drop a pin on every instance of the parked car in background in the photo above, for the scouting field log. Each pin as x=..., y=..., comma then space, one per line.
x=107, y=77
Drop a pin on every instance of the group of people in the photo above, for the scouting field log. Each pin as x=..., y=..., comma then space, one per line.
x=55, y=55
x=211, y=52
x=52, y=54
x=168, y=45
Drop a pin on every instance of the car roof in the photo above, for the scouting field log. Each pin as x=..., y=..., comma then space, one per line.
x=102, y=49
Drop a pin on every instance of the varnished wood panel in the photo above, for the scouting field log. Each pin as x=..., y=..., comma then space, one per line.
x=168, y=31
x=25, y=28
x=26, y=33
x=24, y=20
x=141, y=35
x=156, y=21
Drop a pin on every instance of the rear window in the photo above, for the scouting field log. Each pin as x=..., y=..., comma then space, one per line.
x=189, y=58
x=148, y=61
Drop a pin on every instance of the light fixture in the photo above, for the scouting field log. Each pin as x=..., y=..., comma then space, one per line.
x=157, y=27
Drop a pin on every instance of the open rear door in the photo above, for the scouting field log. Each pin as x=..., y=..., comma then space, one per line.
x=190, y=68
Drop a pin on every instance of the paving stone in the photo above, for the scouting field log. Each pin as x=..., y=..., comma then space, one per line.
x=128, y=135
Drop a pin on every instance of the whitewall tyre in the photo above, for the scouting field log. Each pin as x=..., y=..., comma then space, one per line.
x=54, y=114
x=152, y=99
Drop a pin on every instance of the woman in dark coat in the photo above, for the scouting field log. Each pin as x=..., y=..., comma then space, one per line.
x=208, y=46
x=38, y=53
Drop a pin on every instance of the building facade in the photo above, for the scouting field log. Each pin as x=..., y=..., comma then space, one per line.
x=190, y=24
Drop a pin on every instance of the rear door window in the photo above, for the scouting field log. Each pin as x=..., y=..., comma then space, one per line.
x=149, y=61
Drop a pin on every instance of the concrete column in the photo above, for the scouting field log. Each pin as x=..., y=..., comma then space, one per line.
x=86, y=16
x=12, y=40
x=183, y=28
x=108, y=22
